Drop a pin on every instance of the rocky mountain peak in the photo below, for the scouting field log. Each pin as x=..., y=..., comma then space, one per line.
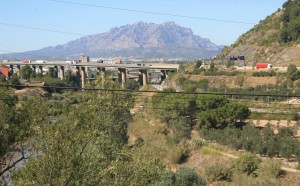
x=139, y=39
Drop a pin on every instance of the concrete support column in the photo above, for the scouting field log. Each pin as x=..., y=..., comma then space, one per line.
x=19, y=70
x=11, y=69
x=77, y=70
x=82, y=74
x=34, y=68
x=56, y=71
x=144, y=76
x=167, y=72
x=163, y=75
x=87, y=72
x=61, y=72
x=41, y=70
x=122, y=75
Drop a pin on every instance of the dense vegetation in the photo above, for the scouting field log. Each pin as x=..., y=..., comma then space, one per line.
x=86, y=143
x=182, y=112
x=17, y=121
x=291, y=23
x=81, y=138
x=286, y=83
x=259, y=141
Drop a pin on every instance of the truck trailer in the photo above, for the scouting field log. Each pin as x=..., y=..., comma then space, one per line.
x=263, y=66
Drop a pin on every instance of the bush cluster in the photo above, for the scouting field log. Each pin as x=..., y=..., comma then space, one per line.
x=260, y=141
x=271, y=73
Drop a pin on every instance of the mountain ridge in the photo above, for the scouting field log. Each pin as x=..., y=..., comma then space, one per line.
x=138, y=40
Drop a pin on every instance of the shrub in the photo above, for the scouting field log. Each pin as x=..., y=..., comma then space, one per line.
x=183, y=176
x=177, y=155
x=264, y=73
x=187, y=176
x=247, y=163
x=239, y=80
x=269, y=169
x=217, y=172
x=168, y=179
x=132, y=85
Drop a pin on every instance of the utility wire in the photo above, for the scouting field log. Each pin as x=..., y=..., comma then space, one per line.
x=222, y=2
x=149, y=91
x=38, y=28
x=153, y=13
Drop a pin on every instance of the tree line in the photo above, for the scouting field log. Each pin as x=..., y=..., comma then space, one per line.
x=259, y=141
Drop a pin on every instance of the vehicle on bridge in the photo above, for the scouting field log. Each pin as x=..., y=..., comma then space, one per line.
x=71, y=62
x=40, y=61
x=26, y=61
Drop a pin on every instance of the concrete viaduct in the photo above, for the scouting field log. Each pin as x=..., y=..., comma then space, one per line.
x=60, y=67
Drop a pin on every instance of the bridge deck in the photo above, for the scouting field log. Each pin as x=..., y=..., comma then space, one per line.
x=99, y=65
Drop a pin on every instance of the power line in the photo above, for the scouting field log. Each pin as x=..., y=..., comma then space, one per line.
x=41, y=29
x=149, y=91
x=216, y=2
x=153, y=13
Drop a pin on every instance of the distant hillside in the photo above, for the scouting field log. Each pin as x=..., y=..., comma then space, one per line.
x=138, y=40
x=274, y=40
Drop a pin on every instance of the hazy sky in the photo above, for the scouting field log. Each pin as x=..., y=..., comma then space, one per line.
x=213, y=19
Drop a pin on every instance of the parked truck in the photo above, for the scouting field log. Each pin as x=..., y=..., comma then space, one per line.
x=263, y=66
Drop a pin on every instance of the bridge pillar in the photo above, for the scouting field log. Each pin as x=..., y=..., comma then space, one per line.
x=19, y=70
x=61, y=72
x=101, y=72
x=82, y=74
x=122, y=76
x=144, y=76
x=56, y=71
x=41, y=70
x=11, y=69
x=163, y=75
x=34, y=68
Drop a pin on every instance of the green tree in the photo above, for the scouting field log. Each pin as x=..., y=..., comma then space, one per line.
x=72, y=79
x=18, y=122
x=14, y=81
x=26, y=72
x=290, y=31
x=87, y=146
x=132, y=85
x=292, y=72
x=212, y=67
x=198, y=64
x=2, y=78
x=52, y=72
x=223, y=116
x=287, y=147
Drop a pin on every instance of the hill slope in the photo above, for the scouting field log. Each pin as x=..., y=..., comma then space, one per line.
x=274, y=40
x=139, y=40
